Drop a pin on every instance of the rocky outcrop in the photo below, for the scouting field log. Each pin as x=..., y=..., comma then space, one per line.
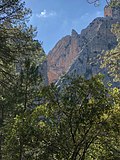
x=62, y=56
x=77, y=54
x=43, y=72
x=102, y=39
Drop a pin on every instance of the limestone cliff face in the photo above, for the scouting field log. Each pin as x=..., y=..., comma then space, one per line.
x=102, y=39
x=77, y=54
x=62, y=56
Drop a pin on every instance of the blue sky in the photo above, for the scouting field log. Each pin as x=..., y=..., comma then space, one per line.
x=55, y=19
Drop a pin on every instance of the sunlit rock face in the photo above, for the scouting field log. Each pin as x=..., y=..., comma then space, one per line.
x=62, y=56
x=99, y=39
x=77, y=54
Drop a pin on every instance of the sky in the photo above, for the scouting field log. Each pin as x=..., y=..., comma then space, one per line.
x=55, y=19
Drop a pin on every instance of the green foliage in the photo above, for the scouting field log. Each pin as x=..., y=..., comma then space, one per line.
x=75, y=125
x=79, y=120
x=13, y=11
x=115, y=3
x=20, y=80
x=21, y=101
x=83, y=124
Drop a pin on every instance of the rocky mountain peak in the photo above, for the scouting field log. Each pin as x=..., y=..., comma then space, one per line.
x=76, y=54
x=74, y=33
x=62, y=55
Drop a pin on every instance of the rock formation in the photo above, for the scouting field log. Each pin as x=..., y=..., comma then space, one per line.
x=102, y=39
x=43, y=72
x=62, y=56
x=76, y=54
x=112, y=11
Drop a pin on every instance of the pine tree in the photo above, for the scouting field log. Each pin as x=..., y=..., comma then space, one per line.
x=20, y=57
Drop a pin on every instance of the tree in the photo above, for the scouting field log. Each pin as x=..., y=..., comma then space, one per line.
x=13, y=15
x=20, y=57
x=10, y=12
x=107, y=144
x=13, y=11
x=18, y=124
x=21, y=99
x=73, y=123
x=22, y=79
x=109, y=2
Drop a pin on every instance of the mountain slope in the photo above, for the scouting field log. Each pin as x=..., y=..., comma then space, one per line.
x=76, y=54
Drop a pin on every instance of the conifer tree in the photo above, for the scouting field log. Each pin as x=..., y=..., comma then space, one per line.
x=20, y=57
